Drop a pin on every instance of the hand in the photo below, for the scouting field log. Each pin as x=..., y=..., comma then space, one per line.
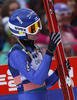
x=67, y=64
x=55, y=39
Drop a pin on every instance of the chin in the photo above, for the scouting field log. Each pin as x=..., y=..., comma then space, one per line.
x=35, y=38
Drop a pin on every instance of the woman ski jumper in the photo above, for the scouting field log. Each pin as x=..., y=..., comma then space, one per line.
x=26, y=63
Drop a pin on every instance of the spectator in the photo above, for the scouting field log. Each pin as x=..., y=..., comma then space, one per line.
x=72, y=4
x=2, y=34
x=67, y=37
x=4, y=46
x=66, y=13
x=11, y=6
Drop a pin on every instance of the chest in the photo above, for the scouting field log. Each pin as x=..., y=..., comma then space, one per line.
x=36, y=61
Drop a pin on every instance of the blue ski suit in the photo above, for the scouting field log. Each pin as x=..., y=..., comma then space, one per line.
x=31, y=75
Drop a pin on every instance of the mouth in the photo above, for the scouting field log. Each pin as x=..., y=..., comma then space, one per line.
x=36, y=34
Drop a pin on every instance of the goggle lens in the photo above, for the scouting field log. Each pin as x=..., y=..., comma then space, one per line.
x=65, y=13
x=33, y=28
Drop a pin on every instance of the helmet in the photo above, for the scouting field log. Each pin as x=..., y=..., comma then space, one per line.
x=23, y=22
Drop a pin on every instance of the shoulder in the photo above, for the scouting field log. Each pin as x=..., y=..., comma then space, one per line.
x=17, y=52
x=17, y=57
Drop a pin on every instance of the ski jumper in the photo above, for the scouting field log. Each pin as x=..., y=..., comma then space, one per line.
x=31, y=75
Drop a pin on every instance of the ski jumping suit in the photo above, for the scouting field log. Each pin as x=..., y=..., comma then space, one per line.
x=31, y=75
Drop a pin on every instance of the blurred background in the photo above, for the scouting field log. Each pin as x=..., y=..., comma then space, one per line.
x=66, y=14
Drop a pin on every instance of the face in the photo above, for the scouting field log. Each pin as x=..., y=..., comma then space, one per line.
x=72, y=4
x=12, y=7
x=66, y=20
x=33, y=37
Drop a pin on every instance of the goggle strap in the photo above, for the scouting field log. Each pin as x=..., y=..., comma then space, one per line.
x=18, y=28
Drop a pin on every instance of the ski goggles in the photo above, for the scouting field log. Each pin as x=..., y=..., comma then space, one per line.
x=65, y=13
x=33, y=28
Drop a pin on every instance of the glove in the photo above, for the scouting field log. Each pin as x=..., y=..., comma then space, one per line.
x=55, y=39
x=67, y=64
